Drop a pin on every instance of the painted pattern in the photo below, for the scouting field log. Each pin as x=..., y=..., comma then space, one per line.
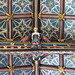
x=21, y=27
x=4, y=73
x=3, y=60
x=50, y=6
x=21, y=6
x=51, y=60
x=69, y=61
x=3, y=7
x=23, y=72
x=50, y=28
x=3, y=30
x=69, y=29
x=70, y=7
x=20, y=60
x=49, y=72
x=68, y=73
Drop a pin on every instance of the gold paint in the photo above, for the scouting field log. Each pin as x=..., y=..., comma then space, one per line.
x=5, y=47
x=10, y=16
x=9, y=39
x=61, y=69
x=25, y=44
x=54, y=44
x=22, y=4
x=61, y=40
x=12, y=44
x=39, y=16
x=22, y=28
x=33, y=67
x=32, y=14
x=61, y=16
x=19, y=47
x=48, y=29
x=50, y=3
x=11, y=69
x=22, y=55
x=48, y=47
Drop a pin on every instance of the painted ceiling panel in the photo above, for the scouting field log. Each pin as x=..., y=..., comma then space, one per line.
x=21, y=27
x=50, y=28
x=69, y=61
x=21, y=60
x=4, y=60
x=23, y=72
x=69, y=73
x=4, y=73
x=52, y=59
x=70, y=7
x=49, y=72
x=21, y=6
x=69, y=29
x=3, y=30
x=50, y=6
x=3, y=6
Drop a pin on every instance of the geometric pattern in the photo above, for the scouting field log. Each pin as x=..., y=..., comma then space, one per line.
x=3, y=7
x=4, y=60
x=21, y=27
x=21, y=60
x=49, y=72
x=23, y=72
x=70, y=7
x=51, y=60
x=69, y=29
x=4, y=73
x=21, y=6
x=50, y=28
x=3, y=29
x=68, y=73
x=50, y=6
x=68, y=61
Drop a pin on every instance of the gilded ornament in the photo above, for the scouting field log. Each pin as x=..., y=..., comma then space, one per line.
x=39, y=16
x=50, y=3
x=61, y=16
x=33, y=67
x=9, y=39
x=11, y=69
x=61, y=40
x=61, y=69
x=10, y=16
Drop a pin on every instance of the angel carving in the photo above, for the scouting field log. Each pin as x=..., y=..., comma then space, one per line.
x=35, y=39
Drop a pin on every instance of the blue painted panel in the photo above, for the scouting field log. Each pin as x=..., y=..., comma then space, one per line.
x=4, y=60
x=20, y=60
x=53, y=59
x=21, y=6
x=50, y=6
x=69, y=30
x=69, y=61
x=3, y=6
x=70, y=7
x=21, y=28
x=50, y=28
x=23, y=72
x=4, y=73
x=49, y=72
